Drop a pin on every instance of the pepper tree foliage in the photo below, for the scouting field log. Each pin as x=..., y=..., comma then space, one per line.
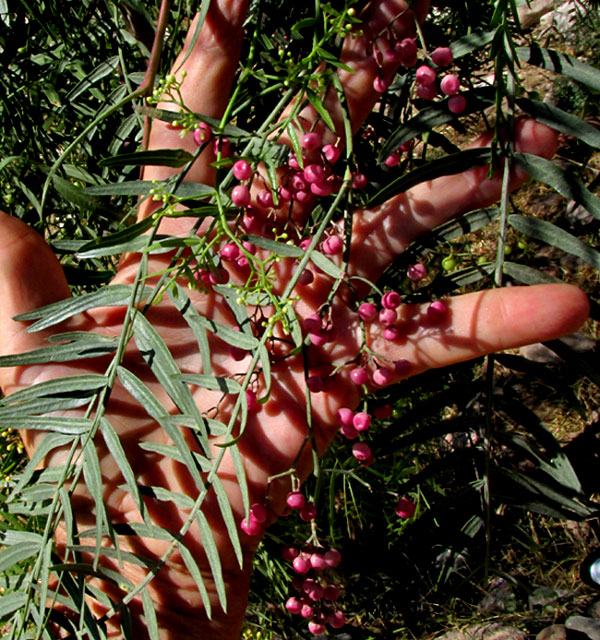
x=71, y=135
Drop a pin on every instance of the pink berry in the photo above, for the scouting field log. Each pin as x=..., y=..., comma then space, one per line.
x=308, y=512
x=293, y=605
x=457, y=104
x=416, y=272
x=299, y=181
x=383, y=412
x=391, y=333
x=426, y=91
x=359, y=181
x=409, y=47
x=306, y=278
x=218, y=276
x=361, y=451
x=382, y=376
x=222, y=145
x=242, y=170
x=331, y=153
x=258, y=512
x=331, y=592
x=315, y=384
x=249, y=247
x=253, y=404
x=333, y=557
x=391, y=300
x=316, y=628
x=301, y=564
x=288, y=553
x=381, y=84
x=442, y=56
x=230, y=252
x=359, y=376
x=323, y=187
x=202, y=134
x=295, y=500
x=450, y=84
x=314, y=173
x=318, y=339
x=237, y=354
x=405, y=508
x=251, y=527
x=407, y=146
x=332, y=245
x=313, y=323
x=349, y=432
x=241, y=262
x=250, y=221
x=316, y=592
x=367, y=311
x=306, y=611
x=240, y=196
x=336, y=620
x=425, y=75
x=285, y=194
x=318, y=562
x=402, y=367
x=311, y=141
x=392, y=160
x=345, y=416
x=388, y=316
x=293, y=161
x=437, y=310
x=264, y=199
x=361, y=421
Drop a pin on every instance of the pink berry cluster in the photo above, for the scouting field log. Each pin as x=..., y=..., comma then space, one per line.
x=400, y=51
x=429, y=84
x=316, y=587
x=254, y=525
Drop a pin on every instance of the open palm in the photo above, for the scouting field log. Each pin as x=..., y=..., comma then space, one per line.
x=276, y=436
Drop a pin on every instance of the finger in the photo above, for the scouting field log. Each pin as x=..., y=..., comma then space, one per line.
x=30, y=277
x=479, y=323
x=380, y=234
x=210, y=66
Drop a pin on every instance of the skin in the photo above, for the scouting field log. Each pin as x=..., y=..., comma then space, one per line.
x=476, y=324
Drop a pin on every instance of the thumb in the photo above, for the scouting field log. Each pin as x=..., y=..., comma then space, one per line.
x=30, y=277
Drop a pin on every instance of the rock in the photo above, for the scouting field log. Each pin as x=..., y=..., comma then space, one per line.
x=530, y=14
x=555, y=632
x=544, y=596
x=594, y=610
x=589, y=626
x=500, y=597
x=494, y=631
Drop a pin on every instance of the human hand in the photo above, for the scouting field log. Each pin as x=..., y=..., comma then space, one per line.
x=275, y=437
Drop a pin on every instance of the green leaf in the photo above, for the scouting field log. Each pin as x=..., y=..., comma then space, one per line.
x=150, y=615
x=160, y=493
x=185, y=191
x=174, y=453
x=115, y=243
x=156, y=353
x=70, y=426
x=11, y=602
x=212, y=553
x=115, y=295
x=295, y=140
x=278, y=248
x=565, y=183
x=93, y=481
x=561, y=121
x=326, y=265
x=320, y=108
x=155, y=409
x=556, y=237
x=228, y=517
x=88, y=384
x=214, y=383
x=528, y=275
x=101, y=71
x=95, y=347
x=448, y=165
x=76, y=195
x=561, y=63
x=160, y=157
x=471, y=42
x=17, y=553
x=49, y=442
x=115, y=447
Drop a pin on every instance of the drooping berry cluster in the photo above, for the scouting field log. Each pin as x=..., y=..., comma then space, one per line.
x=428, y=82
x=316, y=585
